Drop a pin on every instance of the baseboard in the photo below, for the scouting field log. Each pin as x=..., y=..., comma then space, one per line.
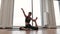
x=8, y=28
x=18, y=27
x=50, y=27
x=1, y=27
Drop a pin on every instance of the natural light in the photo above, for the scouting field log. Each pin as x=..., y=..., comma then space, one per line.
x=0, y=3
x=37, y=11
x=57, y=13
x=18, y=18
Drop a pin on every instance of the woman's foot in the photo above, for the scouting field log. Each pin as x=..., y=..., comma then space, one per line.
x=22, y=28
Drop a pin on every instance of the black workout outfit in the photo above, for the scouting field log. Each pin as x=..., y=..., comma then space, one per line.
x=28, y=25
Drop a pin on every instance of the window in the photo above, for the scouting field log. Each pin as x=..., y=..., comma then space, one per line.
x=57, y=13
x=37, y=11
x=0, y=3
x=19, y=19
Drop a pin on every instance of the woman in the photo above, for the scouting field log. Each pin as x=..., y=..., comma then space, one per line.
x=27, y=22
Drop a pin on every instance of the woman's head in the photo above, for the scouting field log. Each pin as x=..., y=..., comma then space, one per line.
x=29, y=14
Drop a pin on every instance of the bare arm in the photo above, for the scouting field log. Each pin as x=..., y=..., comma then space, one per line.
x=23, y=12
x=35, y=21
x=36, y=24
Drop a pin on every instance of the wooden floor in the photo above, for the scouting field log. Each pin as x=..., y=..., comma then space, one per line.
x=40, y=31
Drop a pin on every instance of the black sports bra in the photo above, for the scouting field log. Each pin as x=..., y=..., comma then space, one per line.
x=27, y=19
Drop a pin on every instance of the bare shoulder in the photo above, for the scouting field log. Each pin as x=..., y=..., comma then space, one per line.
x=26, y=16
x=30, y=18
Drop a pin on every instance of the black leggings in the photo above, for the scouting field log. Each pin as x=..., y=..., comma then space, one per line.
x=31, y=27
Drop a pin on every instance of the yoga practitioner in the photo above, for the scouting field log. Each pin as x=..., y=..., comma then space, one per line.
x=27, y=22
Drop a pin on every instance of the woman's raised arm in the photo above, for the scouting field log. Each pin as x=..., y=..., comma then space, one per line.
x=23, y=12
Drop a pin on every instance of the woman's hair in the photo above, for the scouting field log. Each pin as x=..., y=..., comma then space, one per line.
x=30, y=13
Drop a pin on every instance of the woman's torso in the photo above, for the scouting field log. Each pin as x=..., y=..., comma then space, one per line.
x=27, y=20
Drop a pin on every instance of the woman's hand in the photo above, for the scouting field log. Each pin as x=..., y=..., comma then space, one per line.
x=21, y=8
x=35, y=19
x=36, y=22
x=23, y=12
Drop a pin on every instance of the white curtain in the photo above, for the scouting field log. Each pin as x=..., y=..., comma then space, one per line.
x=0, y=12
x=6, y=13
x=48, y=13
x=51, y=14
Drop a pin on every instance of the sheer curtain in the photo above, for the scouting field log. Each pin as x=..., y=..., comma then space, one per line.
x=37, y=11
x=6, y=13
x=19, y=19
x=57, y=12
x=0, y=12
x=0, y=3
